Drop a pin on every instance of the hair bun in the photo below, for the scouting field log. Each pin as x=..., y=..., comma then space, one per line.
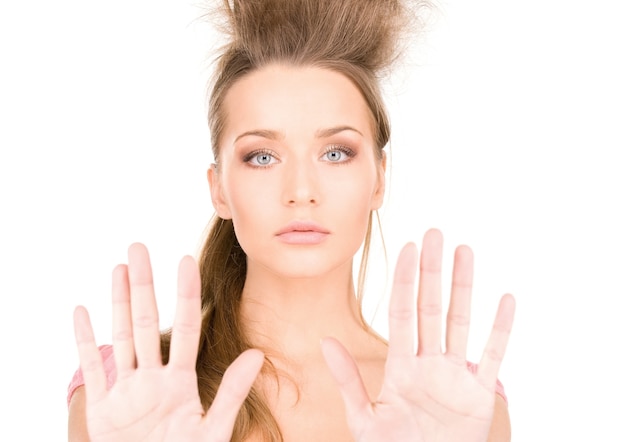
x=361, y=32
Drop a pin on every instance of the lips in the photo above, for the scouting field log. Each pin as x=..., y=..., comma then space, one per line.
x=302, y=233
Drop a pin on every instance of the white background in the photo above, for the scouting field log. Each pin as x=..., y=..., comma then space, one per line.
x=508, y=131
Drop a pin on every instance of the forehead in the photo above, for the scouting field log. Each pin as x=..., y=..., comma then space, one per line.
x=294, y=100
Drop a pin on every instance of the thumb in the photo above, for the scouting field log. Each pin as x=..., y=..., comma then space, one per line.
x=346, y=373
x=232, y=392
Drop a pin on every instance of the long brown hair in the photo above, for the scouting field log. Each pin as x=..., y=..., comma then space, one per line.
x=357, y=38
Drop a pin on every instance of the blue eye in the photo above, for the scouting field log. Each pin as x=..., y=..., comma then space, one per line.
x=338, y=154
x=260, y=158
x=334, y=155
x=263, y=159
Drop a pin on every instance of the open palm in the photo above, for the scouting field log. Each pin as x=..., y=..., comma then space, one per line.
x=428, y=395
x=151, y=401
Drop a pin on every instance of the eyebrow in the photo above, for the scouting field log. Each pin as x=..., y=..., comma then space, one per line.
x=274, y=135
x=264, y=133
x=324, y=133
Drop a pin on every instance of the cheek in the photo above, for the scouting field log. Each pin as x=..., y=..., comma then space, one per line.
x=356, y=190
x=352, y=203
x=242, y=199
x=251, y=206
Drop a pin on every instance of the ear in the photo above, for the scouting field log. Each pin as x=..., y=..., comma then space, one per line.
x=217, y=195
x=379, y=192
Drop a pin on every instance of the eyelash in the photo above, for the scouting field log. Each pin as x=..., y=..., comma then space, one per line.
x=343, y=149
x=250, y=156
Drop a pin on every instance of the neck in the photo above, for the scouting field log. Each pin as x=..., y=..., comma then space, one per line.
x=289, y=316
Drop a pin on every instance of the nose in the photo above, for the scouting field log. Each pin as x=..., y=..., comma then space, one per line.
x=300, y=187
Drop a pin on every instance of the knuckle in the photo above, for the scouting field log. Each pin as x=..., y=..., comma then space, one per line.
x=401, y=314
x=429, y=309
x=123, y=335
x=462, y=284
x=145, y=321
x=459, y=320
x=494, y=354
x=187, y=328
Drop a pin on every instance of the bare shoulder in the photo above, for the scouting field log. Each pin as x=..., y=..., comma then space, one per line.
x=501, y=424
x=77, y=422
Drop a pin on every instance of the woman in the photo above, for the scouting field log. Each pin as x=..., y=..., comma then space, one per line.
x=298, y=130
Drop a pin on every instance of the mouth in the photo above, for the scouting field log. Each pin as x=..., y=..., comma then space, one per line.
x=302, y=226
x=302, y=233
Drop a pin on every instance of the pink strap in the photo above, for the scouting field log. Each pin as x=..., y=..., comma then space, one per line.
x=106, y=351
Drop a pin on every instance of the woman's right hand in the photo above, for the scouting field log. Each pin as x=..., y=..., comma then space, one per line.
x=151, y=401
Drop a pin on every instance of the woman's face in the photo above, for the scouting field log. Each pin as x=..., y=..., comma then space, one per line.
x=297, y=174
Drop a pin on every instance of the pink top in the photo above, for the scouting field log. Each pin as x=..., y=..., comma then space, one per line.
x=106, y=351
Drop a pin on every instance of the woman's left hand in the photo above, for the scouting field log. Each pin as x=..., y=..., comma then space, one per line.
x=429, y=394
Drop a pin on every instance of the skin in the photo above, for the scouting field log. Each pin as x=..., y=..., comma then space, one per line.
x=298, y=146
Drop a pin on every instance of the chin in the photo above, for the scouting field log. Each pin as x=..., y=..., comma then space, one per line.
x=306, y=263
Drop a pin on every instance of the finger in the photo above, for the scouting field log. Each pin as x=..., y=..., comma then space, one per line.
x=123, y=346
x=458, y=320
x=429, y=295
x=89, y=356
x=233, y=390
x=346, y=373
x=144, y=313
x=187, y=321
x=496, y=345
x=402, y=304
